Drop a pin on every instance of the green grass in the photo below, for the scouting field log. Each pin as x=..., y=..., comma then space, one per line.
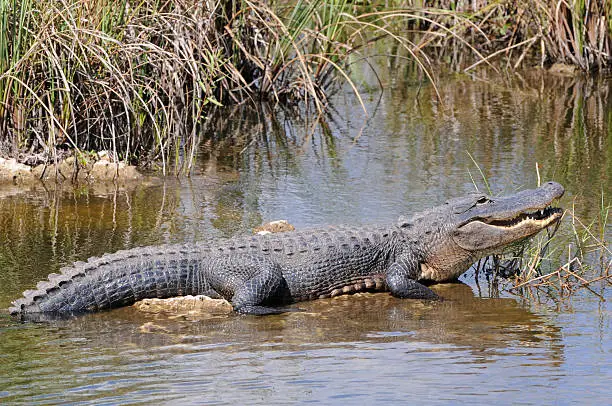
x=138, y=78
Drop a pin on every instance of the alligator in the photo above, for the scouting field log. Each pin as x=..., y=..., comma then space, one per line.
x=262, y=273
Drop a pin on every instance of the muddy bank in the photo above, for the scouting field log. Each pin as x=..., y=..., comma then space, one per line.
x=92, y=168
x=185, y=305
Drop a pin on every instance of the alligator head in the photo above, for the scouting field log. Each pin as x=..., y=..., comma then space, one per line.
x=463, y=230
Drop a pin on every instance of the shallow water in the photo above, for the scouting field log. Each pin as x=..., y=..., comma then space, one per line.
x=477, y=346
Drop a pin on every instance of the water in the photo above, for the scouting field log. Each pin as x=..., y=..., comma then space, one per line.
x=477, y=346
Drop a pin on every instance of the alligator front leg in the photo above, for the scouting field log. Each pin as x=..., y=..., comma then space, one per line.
x=401, y=283
x=252, y=284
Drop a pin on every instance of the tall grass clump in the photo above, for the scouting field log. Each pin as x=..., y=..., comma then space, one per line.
x=575, y=32
x=119, y=76
x=578, y=32
x=136, y=78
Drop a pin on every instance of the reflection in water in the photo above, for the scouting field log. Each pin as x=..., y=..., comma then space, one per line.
x=47, y=227
x=418, y=146
x=255, y=166
x=346, y=330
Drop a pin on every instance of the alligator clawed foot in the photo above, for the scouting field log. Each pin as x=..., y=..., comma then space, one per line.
x=263, y=310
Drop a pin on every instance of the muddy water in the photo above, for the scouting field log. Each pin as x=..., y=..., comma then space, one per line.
x=480, y=345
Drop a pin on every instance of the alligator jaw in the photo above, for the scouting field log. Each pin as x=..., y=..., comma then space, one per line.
x=537, y=219
x=487, y=234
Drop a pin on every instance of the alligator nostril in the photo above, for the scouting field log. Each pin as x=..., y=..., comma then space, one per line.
x=555, y=188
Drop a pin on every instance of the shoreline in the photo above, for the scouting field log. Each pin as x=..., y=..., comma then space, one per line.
x=94, y=168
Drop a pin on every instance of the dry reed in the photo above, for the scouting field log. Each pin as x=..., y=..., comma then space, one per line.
x=138, y=78
x=530, y=271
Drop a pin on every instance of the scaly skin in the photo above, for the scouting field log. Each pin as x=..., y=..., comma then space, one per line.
x=259, y=273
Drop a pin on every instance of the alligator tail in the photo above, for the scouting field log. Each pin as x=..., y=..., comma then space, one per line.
x=118, y=279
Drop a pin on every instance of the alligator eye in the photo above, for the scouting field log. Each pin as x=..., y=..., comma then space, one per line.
x=482, y=200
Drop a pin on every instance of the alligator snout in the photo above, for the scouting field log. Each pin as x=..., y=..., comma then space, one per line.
x=555, y=188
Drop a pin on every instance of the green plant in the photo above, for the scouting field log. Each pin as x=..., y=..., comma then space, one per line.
x=137, y=79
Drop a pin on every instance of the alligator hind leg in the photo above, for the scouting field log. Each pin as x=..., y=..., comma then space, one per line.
x=266, y=286
x=255, y=286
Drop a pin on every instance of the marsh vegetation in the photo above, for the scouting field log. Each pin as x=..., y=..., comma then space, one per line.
x=138, y=79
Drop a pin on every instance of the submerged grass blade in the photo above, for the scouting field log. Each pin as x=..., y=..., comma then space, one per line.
x=482, y=175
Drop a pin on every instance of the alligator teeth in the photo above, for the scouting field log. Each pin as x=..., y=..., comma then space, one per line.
x=538, y=214
x=535, y=215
